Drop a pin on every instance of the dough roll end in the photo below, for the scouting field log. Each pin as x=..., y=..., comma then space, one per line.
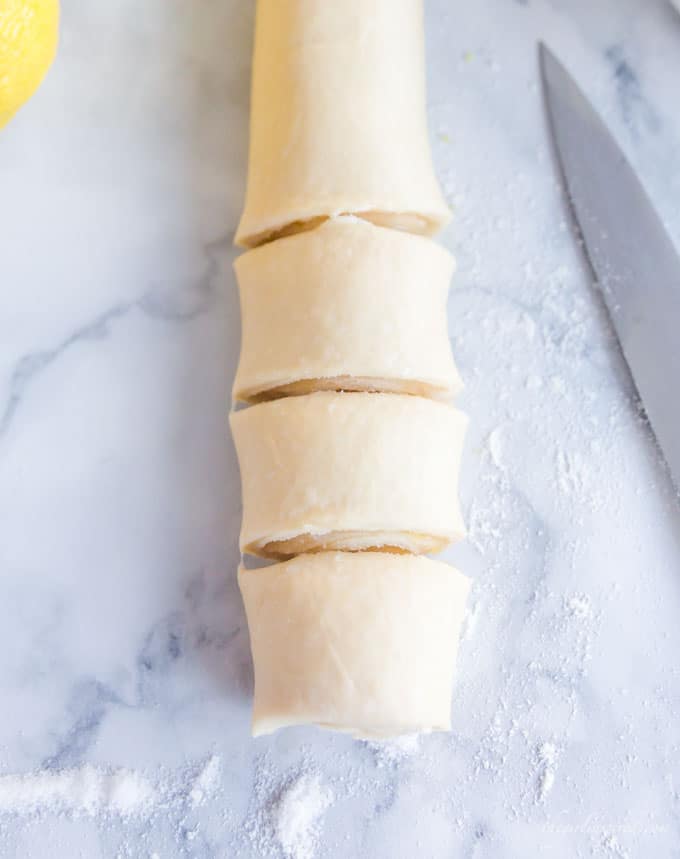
x=360, y=643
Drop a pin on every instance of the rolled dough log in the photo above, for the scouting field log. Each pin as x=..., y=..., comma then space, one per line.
x=338, y=121
x=348, y=306
x=364, y=643
x=350, y=471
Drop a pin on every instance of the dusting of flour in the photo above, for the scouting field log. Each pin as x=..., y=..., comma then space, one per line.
x=85, y=791
x=287, y=820
x=547, y=758
x=110, y=796
x=388, y=753
x=297, y=814
x=206, y=781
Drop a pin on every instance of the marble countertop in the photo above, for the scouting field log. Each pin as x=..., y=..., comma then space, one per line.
x=122, y=635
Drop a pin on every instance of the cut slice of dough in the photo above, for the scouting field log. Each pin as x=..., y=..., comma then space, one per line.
x=338, y=122
x=351, y=471
x=358, y=643
x=347, y=306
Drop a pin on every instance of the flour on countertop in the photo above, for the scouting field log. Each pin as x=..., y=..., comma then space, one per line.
x=547, y=757
x=86, y=790
x=496, y=447
x=389, y=753
x=297, y=815
x=90, y=791
x=470, y=621
x=578, y=606
x=287, y=820
x=206, y=781
x=548, y=450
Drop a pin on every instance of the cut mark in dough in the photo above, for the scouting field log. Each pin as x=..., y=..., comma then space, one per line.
x=406, y=222
x=400, y=543
x=291, y=229
x=350, y=384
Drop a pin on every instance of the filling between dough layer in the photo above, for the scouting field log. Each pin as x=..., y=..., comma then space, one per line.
x=407, y=222
x=397, y=542
x=414, y=387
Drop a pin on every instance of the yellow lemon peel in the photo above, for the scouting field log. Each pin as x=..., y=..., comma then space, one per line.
x=29, y=31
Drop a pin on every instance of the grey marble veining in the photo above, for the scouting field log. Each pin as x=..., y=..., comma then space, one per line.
x=122, y=635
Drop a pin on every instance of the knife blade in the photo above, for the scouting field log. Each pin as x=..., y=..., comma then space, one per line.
x=634, y=260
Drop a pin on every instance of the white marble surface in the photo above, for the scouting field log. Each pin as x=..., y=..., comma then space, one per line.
x=122, y=636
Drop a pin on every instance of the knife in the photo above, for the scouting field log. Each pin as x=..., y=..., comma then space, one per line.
x=633, y=259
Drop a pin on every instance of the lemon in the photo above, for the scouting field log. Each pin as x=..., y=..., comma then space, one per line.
x=29, y=31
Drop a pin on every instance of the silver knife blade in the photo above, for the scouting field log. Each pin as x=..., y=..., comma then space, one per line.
x=633, y=258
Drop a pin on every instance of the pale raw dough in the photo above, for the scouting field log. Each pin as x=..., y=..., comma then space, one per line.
x=363, y=643
x=338, y=122
x=350, y=471
x=347, y=306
